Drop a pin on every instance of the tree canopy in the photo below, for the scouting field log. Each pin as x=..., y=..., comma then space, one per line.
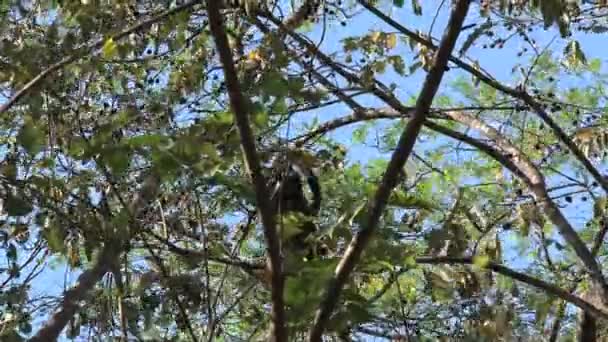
x=460, y=149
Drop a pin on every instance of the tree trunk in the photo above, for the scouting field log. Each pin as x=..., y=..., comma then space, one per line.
x=587, y=328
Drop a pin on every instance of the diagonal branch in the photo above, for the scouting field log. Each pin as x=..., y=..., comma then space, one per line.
x=398, y=159
x=516, y=163
x=73, y=297
x=87, y=280
x=241, y=111
x=86, y=50
x=536, y=183
x=524, y=278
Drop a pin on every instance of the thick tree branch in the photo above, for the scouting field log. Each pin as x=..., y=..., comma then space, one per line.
x=520, y=94
x=524, y=278
x=74, y=296
x=241, y=111
x=105, y=261
x=398, y=159
x=536, y=183
x=87, y=50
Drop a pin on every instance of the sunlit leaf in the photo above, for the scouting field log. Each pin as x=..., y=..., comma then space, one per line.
x=481, y=261
x=109, y=49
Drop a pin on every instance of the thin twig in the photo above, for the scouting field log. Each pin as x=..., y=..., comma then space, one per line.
x=524, y=278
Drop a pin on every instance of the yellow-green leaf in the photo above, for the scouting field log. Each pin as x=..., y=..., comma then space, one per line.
x=391, y=41
x=109, y=49
x=481, y=261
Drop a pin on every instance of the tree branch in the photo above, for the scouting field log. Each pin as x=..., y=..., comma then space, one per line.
x=398, y=159
x=524, y=278
x=493, y=152
x=525, y=170
x=241, y=111
x=536, y=183
x=86, y=281
x=74, y=296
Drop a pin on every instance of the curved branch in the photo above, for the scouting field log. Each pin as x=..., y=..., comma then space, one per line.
x=74, y=296
x=536, y=183
x=389, y=180
x=522, y=167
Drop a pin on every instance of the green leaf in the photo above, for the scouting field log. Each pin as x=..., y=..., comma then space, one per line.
x=274, y=84
x=481, y=261
x=147, y=140
x=117, y=87
x=109, y=49
x=291, y=225
x=416, y=7
x=399, y=3
x=54, y=236
x=402, y=200
x=237, y=185
x=16, y=206
x=31, y=137
x=360, y=134
x=595, y=65
x=117, y=159
x=260, y=118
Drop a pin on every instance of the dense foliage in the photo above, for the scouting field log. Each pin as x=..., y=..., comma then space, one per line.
x=134, y=204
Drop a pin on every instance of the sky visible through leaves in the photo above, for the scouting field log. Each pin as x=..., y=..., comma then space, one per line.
x=499, y=62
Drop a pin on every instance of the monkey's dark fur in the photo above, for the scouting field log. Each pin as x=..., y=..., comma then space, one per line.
x=289, y=197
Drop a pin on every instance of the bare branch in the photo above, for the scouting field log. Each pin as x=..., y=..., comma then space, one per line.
x=74, y=296
x=398, y=159
x=241, y=113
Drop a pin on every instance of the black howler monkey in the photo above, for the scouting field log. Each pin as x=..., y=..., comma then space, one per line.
x=288, y=197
